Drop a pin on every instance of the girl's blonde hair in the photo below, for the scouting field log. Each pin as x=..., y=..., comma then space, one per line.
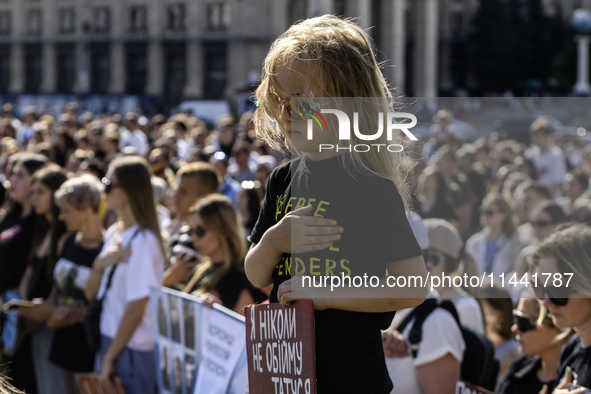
x=133, y=176
x=335, y=57
x=219, y=216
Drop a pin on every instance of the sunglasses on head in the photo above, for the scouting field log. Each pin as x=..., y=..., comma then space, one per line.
x=199, y=231
x=434, y=257
x=109, y=186
x=524, y=323
x=557, y=295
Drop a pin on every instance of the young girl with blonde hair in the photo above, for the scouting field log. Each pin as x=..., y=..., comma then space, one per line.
x=334, y=212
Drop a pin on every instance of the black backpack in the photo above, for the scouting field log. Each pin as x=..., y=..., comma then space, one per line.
x=480, y=366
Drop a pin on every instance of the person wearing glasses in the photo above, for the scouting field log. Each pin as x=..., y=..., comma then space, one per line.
x=540, y=342
x=133, y=255
x=491, y=246
x=568, y=251
x=545, y=217
x=445, y=256
x=334, y=212
x=217, y=235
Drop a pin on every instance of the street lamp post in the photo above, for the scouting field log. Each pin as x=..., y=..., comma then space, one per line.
x=581, y=22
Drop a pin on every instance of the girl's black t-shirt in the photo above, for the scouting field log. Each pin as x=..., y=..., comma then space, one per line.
x=349, y=352
x=69, y=347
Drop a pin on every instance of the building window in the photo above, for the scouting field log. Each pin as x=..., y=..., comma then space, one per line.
x=4, y=68
x=66, y=68
x=4, y=23
x=67, y=21
x=137, y=16
x=34, y=22
x=298, y=9
x=137, y=71
x=340, y=7
x=216, y=70
x=457, y=24
x=101, y=68
x=218, y=16
x=176, y=17
x=102, y=20
x=32, y=67
x=175, y=72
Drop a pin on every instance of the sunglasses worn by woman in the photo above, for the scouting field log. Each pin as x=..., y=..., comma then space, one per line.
x=568, y=251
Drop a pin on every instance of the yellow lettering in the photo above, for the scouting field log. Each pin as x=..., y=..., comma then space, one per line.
x=280, y=267
x=344, y=265
x=289, y=204
x=333, y=248
x=301, y=202
x=288, y=265
x=314, y=266
x=330, y=265
x=320, y=209
x=300, y=263
x=311, y=201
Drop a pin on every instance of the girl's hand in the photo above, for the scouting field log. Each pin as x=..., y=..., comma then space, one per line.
x=394, y=344
x=113, y=255
x=298, y=232
x=284, y=293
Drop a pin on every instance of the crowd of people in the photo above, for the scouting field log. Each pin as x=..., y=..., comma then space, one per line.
x=101, y=207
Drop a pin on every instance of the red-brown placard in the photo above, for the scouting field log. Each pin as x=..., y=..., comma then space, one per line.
x=91, y=383
x=280, y=348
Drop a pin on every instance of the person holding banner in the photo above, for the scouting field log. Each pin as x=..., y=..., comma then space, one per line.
x=134, y=253
x=333, y=213
x=217, y=234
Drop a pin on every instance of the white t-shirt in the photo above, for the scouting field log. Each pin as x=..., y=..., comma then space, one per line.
x=135, y=138
x=441, y=335
x=131, y=282
x=552, y=161
x=470, y=313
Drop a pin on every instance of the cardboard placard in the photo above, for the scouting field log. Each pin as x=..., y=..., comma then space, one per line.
x=91, y=383
x=280, y=348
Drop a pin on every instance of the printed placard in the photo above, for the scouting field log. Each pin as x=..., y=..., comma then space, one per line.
x=280, y=348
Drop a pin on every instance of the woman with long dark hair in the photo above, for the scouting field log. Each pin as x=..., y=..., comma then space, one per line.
x=16, y=235
x=37, y=280
x=127, y=341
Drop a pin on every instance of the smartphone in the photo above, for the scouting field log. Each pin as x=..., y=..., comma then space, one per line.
x=186, y=250
x=13, y=305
